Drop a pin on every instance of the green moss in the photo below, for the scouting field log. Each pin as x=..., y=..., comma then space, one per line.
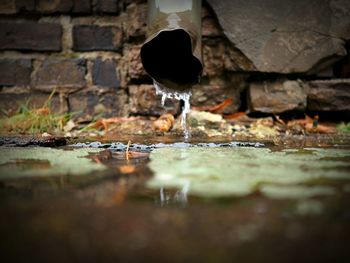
x=220, y=172
x=60, y=162
x=344, y=127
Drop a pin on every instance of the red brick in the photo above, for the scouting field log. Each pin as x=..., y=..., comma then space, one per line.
x=30, y=36
x=82, y=6
x=107, y=6
x=89, y=38
x=58, y=73
x=104, y=73
x=10, y=102
x=90, y=104
x=52, y=7
x=15, y=72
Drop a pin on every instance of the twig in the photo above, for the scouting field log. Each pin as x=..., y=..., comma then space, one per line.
x=127, y=151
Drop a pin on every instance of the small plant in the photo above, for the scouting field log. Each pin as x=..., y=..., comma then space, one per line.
x=29, y=120
x=344, y=127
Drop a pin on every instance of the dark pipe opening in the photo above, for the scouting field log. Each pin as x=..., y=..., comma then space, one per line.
x=168, y=57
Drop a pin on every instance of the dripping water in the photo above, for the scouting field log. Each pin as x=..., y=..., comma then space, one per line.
x=184, y=96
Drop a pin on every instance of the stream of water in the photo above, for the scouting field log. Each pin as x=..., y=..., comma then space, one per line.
x=184, y=96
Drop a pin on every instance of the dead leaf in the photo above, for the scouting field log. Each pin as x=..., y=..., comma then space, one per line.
x=131, y=155
x=216, y=108
x=164, y=123
x=235, y=116
x=311, y=125
x=127, y=151
x=104, y=123
x=43, y=111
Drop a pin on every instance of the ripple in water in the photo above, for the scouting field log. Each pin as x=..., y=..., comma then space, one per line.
x=184, y=96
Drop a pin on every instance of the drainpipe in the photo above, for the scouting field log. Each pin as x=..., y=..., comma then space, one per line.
x=171, y=54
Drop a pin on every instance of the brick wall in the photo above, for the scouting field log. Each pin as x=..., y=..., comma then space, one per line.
x=88, y=51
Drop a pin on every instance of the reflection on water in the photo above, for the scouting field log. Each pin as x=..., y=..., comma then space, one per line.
x=179, y=197
x=224, y=172
x=19, y=162
x=296, y=198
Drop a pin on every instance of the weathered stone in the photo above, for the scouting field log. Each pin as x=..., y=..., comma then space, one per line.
x=7, y=7
x=286, y=36
x=212, y=95
x=89, y=38
x=135, y=68
x=82, y=6
x=107, y=6
x=144, y=101
x=220, y=56
x=203, y=117
x=136, y=26
x=65, y=73
x=210, y=26
x=342, y=67
x=329, y=95
x=277, y=96
x=104, y=73
x=90, y=104
x=15, y=72
x=30, y=36
x=208, y=124
x=57, y=6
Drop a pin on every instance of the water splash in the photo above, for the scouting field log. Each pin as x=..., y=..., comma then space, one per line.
x=184, y=96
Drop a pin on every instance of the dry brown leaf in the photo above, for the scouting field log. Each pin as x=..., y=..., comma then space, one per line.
x=216, y=108
x=43, y=111
x=311, y=125
x=235, y=116
x=104, y=123
x=164, y=123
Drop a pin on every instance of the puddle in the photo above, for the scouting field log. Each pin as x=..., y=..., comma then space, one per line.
x=35, y=162
x=222, y=172
x=188, y=202
x=206, y=170
x=26, y=164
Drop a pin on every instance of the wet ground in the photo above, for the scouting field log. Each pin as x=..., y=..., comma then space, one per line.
x=160, y=200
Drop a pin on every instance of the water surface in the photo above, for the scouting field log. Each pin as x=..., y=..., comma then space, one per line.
x=175, y=202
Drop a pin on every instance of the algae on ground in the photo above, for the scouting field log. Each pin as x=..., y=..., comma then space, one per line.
x=219, y=172
x=61, y=162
